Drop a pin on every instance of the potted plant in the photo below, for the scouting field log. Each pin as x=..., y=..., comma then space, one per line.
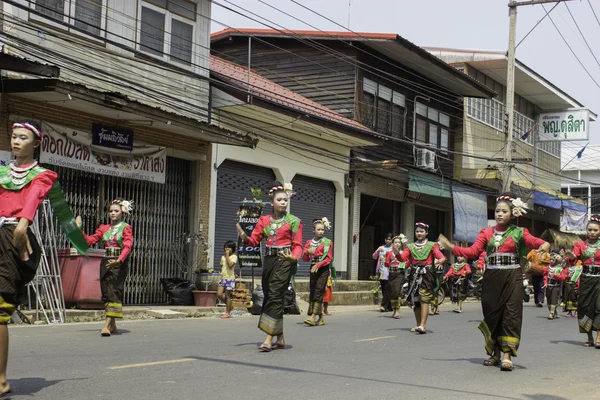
x=206, y=280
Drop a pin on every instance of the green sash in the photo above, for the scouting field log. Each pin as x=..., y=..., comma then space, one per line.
x=421, y=254
x=555, y=270
x=458, y=267
x=513, y=232
x=576, y=273
x=590, y=251
x=63, y=212
x=107, y=237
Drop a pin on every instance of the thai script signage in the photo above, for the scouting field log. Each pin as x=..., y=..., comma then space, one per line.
x=113, y=137
x=248, y=215
x=564, y=125
x=71, y=148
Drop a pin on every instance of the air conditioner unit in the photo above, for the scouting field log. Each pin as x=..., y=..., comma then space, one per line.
x=425, y=159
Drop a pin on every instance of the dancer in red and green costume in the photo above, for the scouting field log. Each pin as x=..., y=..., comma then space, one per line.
x=457, y=274
x=118, y=242
x=283, y=234
x=396, y=273
x=319, y=251
x=502, y=290
x=553, y=275
x=588, y=300
x=24, y=185
x=570, y=289
x=423, y=257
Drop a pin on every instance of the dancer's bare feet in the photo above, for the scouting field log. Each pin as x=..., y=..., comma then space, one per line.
x=4, y=388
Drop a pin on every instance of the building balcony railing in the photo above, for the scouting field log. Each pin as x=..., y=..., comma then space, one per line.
x=491, y=112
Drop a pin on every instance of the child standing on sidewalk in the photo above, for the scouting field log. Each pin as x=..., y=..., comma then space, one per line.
x=227, y=281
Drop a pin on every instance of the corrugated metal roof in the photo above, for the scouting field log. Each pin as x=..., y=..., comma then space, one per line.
x=266, y=89
x=390, y=45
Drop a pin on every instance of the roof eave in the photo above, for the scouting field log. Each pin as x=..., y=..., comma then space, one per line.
x=486, y=91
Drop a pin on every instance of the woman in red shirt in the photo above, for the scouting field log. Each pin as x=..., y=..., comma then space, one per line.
x=283, y=234
x=502, y=290
x=457, y=274
x=588, y=301
x=422, y=257
x=118, y=242
x=396, y=273
x=319, y=251
x=23, y=187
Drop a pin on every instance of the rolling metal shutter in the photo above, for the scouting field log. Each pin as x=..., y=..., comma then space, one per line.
x=160, y=215
x=234, y=181
x=314, y=198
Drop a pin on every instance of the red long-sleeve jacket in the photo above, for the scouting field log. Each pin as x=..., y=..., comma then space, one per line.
x=289, y=234
x=25, y=202
x=319, y=250
x=127, y=240
x=562, y=276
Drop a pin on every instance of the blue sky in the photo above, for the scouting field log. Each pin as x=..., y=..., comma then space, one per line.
x=473, y=24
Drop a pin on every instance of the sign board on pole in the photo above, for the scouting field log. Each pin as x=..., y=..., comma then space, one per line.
x=248, y=215
x=569, y=125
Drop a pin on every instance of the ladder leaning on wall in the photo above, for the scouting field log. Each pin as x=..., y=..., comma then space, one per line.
x=46, y=287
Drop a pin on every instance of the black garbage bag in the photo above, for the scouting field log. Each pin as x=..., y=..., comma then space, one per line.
x=258, y=297
x=289, y=302
x=179, y=290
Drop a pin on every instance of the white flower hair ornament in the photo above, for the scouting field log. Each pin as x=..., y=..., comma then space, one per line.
x=289, y=189
x=519, y=207
x=402, y=238
x=326, y=223
x=126, y=205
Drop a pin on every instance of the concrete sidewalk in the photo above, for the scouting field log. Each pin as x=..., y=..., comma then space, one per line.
x=175, y=312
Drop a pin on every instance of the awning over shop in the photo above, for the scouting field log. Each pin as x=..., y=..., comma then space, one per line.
x=547, y=200
x=571, y=205
x=429, y=184
x=551, y=201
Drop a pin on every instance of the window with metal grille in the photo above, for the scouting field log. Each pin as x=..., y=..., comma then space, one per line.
x=86, y=15
x=383, y=109
x=167, y=29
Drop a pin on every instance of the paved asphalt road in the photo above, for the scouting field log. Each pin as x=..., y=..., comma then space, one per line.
x=357, y=355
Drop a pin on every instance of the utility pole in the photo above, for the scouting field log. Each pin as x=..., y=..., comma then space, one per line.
x=510, y=87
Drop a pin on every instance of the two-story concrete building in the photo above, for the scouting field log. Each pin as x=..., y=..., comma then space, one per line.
x=484, y=134
x=136, y=70
x=391, y=86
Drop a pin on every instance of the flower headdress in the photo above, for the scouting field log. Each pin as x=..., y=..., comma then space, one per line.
x=323, y=221
x=402, y=238
x=126, y=205
x=287, y=188
x=517, y=206
x=28, y=126
x=422, y=225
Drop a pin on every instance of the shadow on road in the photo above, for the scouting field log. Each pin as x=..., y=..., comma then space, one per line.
x=573, y=342
x=359, y=378
x=31, y=386
x=544, y=396
x=256, y=344
x=478, y=361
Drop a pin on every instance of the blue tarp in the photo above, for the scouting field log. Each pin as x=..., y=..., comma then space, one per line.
x=470, y=212
x=571, y=205
x=547, y=200
x=550, y=201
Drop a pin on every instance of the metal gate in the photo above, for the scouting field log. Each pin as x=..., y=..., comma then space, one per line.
x=234, y=181
x=161, y=214
x=315, y=198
